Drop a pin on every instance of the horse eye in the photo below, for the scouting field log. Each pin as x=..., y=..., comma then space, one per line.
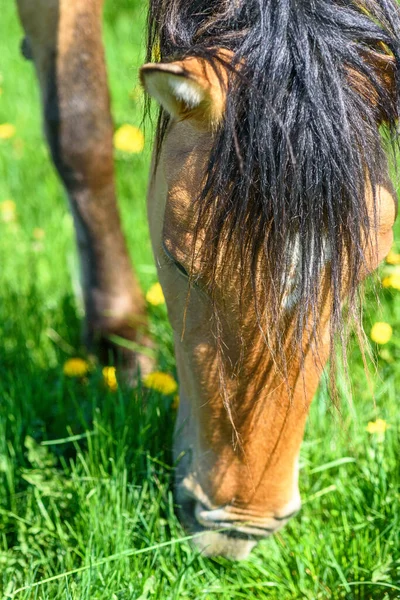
x=181, y=268
x=177, y=264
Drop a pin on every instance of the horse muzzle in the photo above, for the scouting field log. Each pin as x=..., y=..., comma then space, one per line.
x=226, y=531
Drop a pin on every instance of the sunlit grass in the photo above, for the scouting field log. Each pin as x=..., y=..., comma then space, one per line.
x=86, y=505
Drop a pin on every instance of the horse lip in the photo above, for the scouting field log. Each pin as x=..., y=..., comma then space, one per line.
x=222, y=520
x=199, y=514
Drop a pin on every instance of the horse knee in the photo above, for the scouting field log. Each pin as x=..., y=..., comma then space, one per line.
x=81, y=146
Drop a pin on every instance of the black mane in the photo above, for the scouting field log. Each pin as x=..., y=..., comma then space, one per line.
x=301, y=134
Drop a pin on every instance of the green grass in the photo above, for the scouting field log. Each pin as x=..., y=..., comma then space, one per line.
x=91, y=514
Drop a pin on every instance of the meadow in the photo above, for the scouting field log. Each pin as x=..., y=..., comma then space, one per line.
x=86, y=503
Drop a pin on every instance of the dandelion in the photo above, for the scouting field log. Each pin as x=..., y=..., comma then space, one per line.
x=377, y=427
x=76, y=367
x=18, y=146
x=160, y=382
x=129, y=139
x=155, y=295
x=38, y=234
x=110, y=378
x=175, y=402
x=381, y=333
x=392, y=281
x=8, y=211
x=7, y=131
x=136, y=93
x=387, y=282
x=386, y=355
x=393, y=258
x=156, y=52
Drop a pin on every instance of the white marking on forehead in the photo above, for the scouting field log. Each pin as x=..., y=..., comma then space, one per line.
x=293, y=277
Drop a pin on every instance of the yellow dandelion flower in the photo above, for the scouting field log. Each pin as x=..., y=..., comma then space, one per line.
x=110, y=378
x=386, y=355
x=8, y=211
x=156, y=52
x=136, y=93
x=393, y=258
x=155, y=295
x=129, y=139
x=378, y=427
x=387, y=282
x=161, y=382
x=395, y=282
x=175, y=402
x=76, y=367
x=381, y=333
x=38, y=234
x=392, y=281
x=7, y=131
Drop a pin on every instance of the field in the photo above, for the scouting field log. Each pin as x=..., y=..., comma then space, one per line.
x=86, y=505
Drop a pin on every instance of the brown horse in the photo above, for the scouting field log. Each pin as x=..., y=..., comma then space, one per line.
x=269, y=201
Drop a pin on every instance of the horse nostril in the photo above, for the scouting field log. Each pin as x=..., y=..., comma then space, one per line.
x=187, y=514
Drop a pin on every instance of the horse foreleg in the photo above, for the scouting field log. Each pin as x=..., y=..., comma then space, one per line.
x=63, y=37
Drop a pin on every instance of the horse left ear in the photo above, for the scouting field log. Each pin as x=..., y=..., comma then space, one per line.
x=188, y=89
x=384, y=70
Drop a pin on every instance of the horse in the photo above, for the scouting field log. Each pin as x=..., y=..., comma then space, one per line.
x=269, y=202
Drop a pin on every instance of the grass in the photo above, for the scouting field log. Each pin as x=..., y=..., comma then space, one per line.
x=86, y=507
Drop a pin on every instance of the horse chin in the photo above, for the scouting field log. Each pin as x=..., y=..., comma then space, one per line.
x=213, y=543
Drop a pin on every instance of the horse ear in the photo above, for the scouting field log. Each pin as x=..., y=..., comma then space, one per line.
x=188, y=89
x=384, y=69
